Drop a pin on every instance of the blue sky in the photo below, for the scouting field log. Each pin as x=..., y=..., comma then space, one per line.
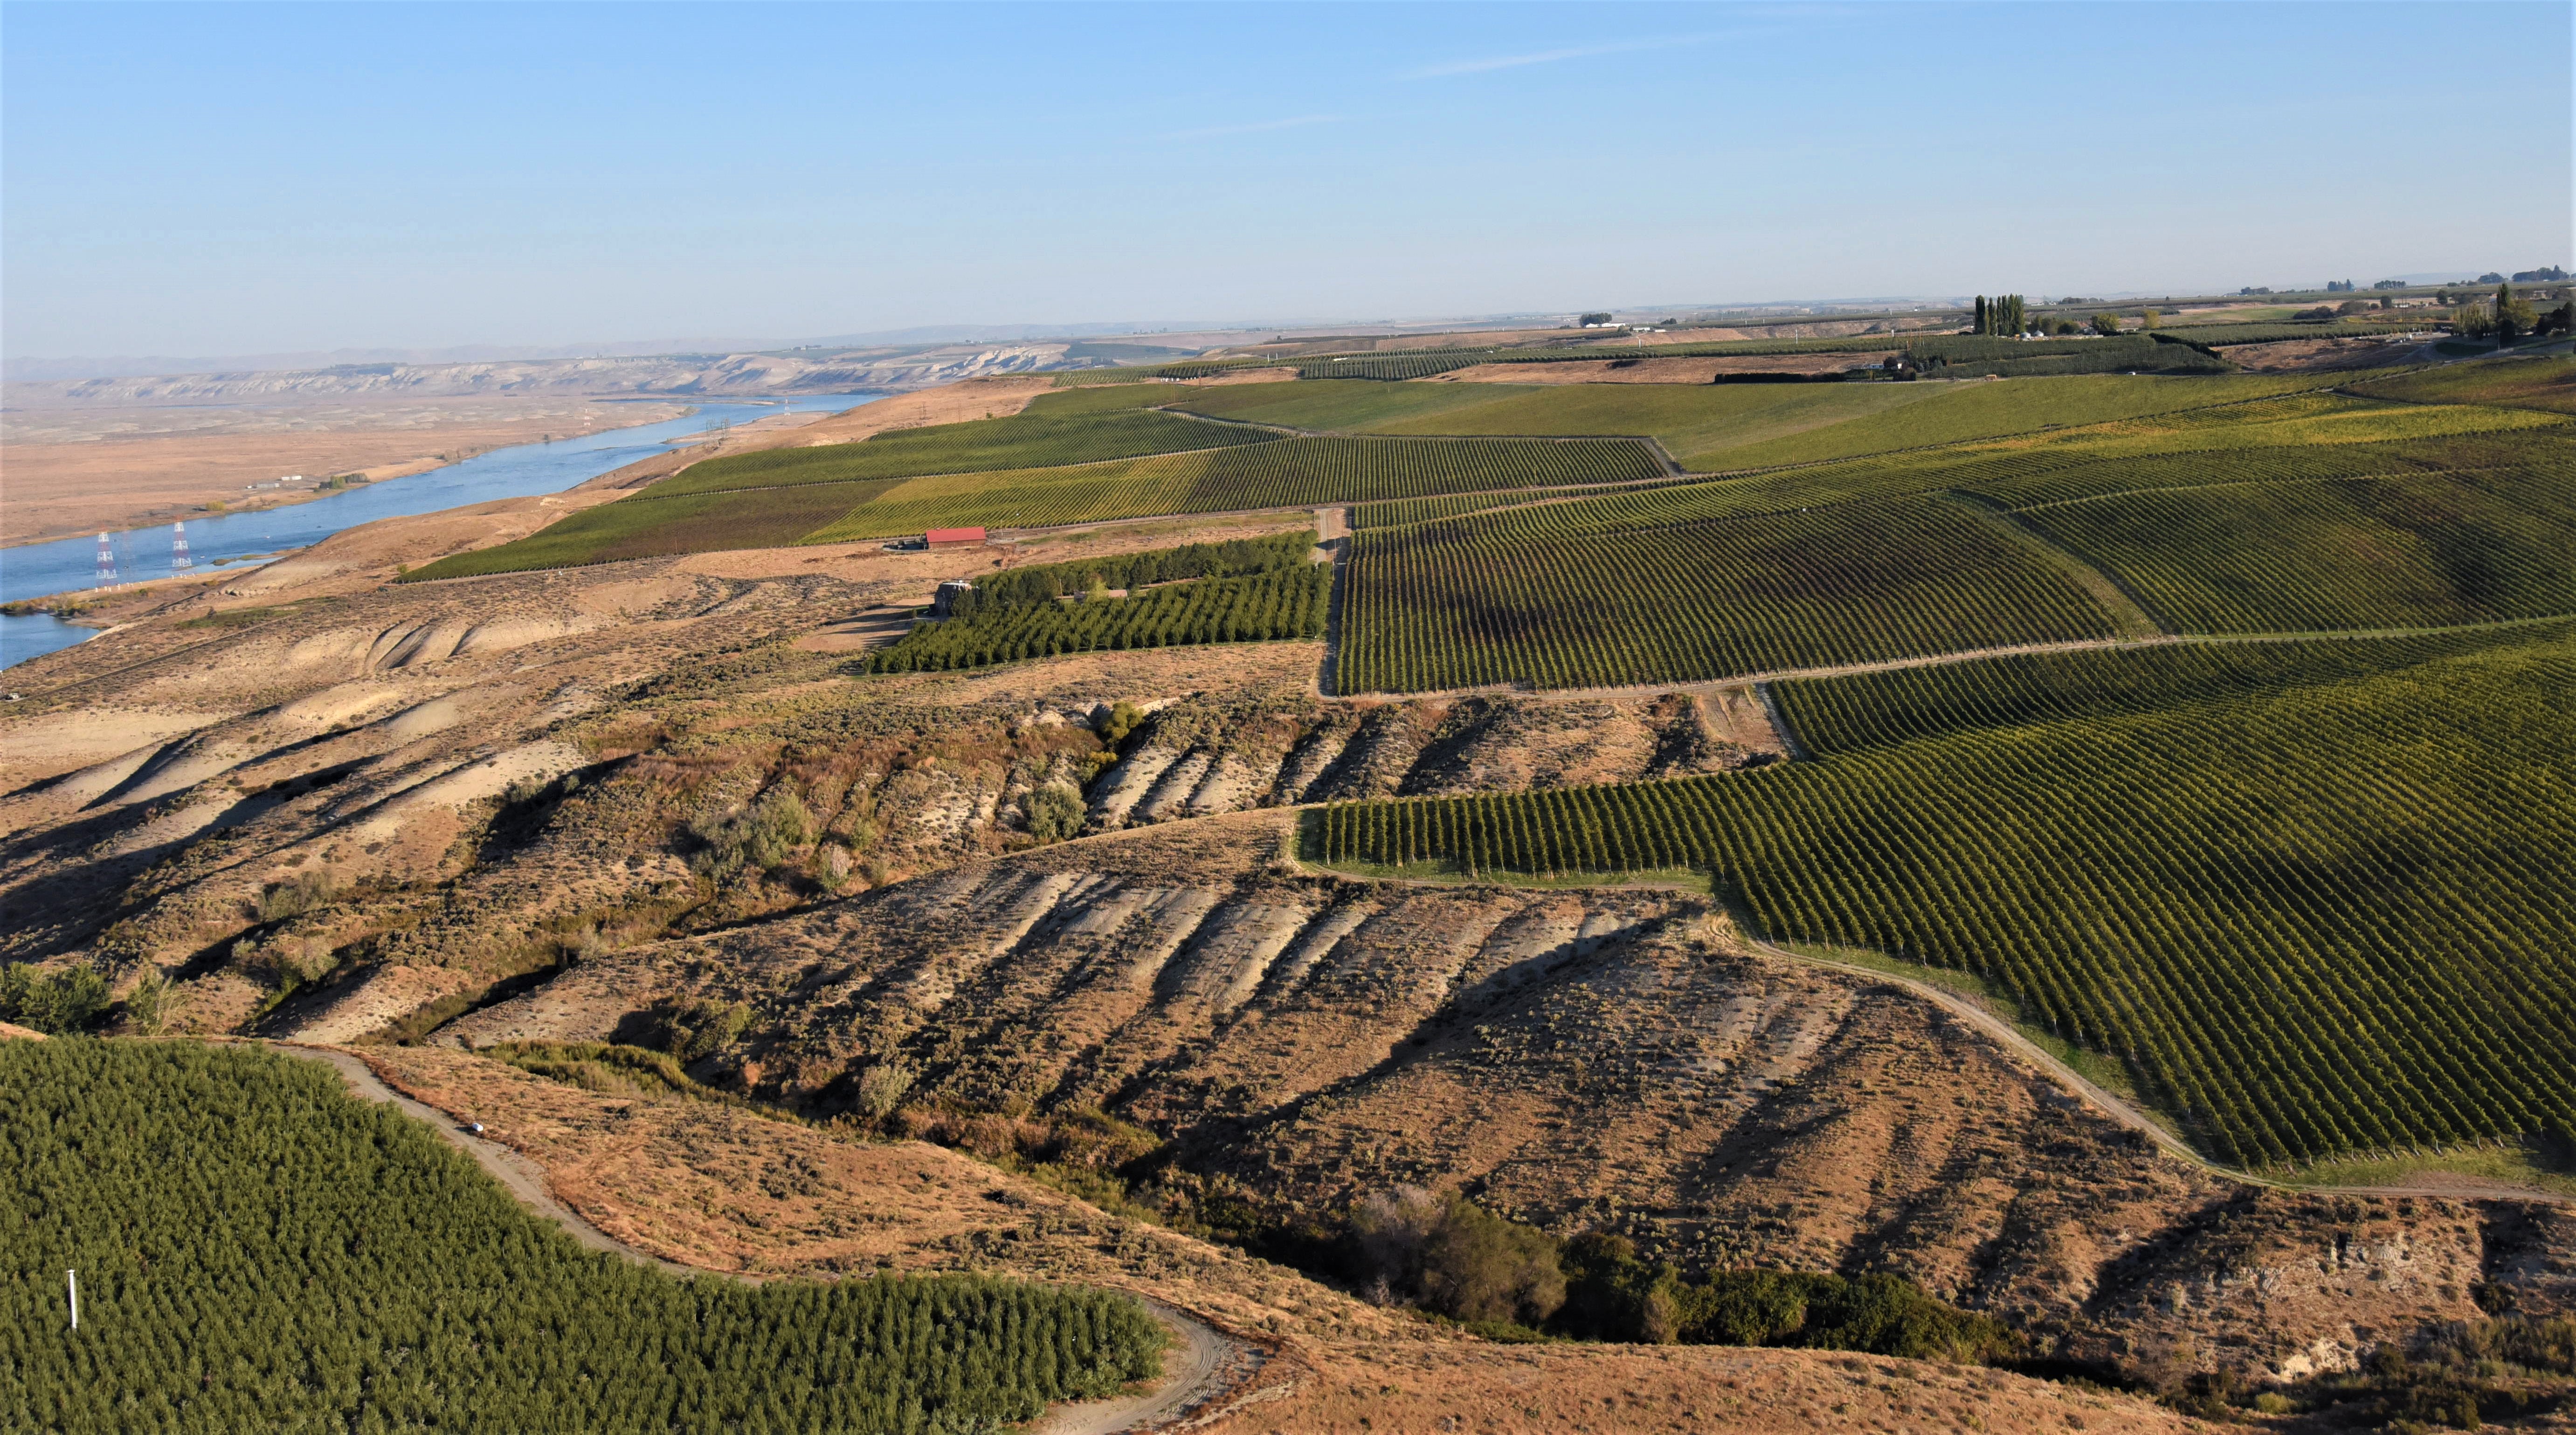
x=213, y=179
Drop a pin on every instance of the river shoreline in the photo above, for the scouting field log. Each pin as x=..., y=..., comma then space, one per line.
x=67, y=568
x=154, y=511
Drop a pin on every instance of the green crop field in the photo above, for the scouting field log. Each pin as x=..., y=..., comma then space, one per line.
x=2535, y=383
x=1476, y=601
x=1047, y=438
x=259, y=1251
x=1275, y=474
x=1284, y=604
x=1730, y=426
x=647, y=526
x=1885, y=709
x=2347, y=553
x=1290, y=472
x=2315, y=908
x=1690, y=420
x=1985, y=410
x=1343, y=405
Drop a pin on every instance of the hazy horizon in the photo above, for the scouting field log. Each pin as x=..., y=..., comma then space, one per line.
x=221, y=181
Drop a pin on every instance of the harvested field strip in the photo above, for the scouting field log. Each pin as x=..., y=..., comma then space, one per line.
x=1443, y=606
x=1286, y=473
x=2224, y=335
x=2342, y=928
x=2416, y=551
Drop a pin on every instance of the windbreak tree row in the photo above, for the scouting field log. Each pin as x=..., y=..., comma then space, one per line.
x=1447, y=606
x=1287, y=604
x=2321, y=918
x=259, y=1251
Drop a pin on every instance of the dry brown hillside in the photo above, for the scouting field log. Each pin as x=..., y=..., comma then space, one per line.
x=604, y=804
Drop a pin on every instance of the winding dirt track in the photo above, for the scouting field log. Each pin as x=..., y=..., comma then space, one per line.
x=1202, y=1365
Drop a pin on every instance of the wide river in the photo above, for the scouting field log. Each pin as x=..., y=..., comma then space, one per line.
x=36, y=570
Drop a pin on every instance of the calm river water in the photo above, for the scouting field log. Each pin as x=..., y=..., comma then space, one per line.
x=36, y=569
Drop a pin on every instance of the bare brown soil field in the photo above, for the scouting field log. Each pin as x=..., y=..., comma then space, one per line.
x=73, y=471
x=2296, y=356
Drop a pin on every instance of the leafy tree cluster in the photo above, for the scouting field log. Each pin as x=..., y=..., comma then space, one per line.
x=1507, y=1279
x=2506, y=317
x=1611, y=1294
x=2002, y=316
x=259, y=1251
x=1285, y=604
x=1232, y=558
x=58, y=1002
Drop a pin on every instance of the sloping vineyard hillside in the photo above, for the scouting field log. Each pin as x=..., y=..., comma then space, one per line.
x=1456, y=605
x=1288, y=473
x=258, y=1251
x=2299, y=512
x=2314, y=911
x=1276, y=473
x=2346, y=553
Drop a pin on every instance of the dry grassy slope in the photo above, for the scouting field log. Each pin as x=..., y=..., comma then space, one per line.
x=1597, y=1059
x=711, y=1187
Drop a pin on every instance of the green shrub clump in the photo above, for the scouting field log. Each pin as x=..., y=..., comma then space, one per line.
x=1613, y=1295
x=60, y=1003
x=257, y=1250
x=762, y=837
x=1511, y=1281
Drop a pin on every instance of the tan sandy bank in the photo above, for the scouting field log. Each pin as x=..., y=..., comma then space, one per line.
x=79, y=471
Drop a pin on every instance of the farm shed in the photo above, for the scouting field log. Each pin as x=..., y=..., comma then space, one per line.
x=954, y=538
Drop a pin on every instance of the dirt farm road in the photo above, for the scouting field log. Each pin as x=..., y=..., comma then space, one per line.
x=1200, y=1367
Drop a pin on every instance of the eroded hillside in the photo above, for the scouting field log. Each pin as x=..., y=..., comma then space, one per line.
x=602, y=804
